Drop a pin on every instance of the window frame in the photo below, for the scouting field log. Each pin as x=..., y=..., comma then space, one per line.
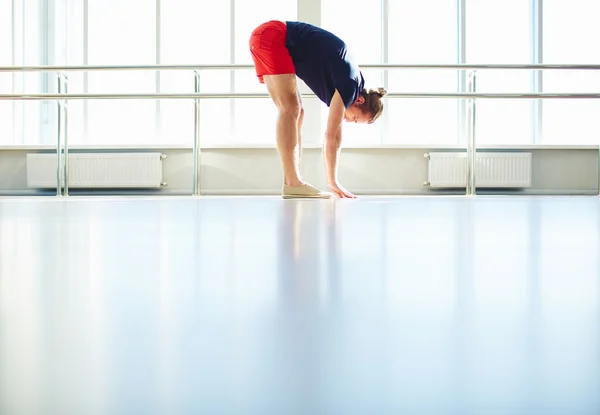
x=307, y=10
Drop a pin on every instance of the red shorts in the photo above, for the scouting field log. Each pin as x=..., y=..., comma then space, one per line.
x=267, y=46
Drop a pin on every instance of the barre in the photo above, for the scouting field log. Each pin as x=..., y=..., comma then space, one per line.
x=44, y=97
x=381, y=66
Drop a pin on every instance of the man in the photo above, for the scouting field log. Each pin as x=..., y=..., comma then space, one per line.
x=283, y=50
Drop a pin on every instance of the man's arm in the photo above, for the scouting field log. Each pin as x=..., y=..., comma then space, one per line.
x=332, y=145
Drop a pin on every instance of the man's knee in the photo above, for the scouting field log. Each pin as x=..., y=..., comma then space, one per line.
x=291, y=108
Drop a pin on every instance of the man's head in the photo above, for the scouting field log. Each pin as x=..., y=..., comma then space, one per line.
x=367, y=107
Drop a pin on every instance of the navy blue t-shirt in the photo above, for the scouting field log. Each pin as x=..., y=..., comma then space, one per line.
x=324, y=63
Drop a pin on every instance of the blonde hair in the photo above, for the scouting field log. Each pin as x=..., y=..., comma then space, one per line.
x=373, y=104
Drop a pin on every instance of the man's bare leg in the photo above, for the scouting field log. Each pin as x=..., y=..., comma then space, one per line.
x=300, y=119
x=284, y=92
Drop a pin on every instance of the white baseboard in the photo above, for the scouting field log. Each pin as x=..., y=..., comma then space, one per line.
x=409, y=192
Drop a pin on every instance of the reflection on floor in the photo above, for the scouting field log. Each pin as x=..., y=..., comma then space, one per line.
x=416, y=305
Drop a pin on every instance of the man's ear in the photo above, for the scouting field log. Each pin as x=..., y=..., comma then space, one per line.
x=360, y=100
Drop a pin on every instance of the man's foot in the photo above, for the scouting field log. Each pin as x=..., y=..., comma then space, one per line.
x=304, y=191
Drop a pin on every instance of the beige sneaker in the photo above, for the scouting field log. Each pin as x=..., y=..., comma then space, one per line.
x=305, y=191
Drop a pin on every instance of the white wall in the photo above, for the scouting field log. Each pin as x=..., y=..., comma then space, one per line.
x=385, y=171
x=382, y=171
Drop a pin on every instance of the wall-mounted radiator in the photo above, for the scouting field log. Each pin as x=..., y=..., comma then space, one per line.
x=492, y=169
x=98, y=170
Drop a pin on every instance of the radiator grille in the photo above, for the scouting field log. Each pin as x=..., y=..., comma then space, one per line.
x=98, y=170
x=449, y=169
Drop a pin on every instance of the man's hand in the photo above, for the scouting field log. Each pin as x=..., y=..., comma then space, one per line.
x=332, y=144
x=340, y=192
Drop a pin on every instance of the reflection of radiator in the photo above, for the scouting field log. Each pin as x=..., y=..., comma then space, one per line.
x=98, y=170
x=449, y=169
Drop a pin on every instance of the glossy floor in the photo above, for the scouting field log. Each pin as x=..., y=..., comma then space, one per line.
x=441, y=305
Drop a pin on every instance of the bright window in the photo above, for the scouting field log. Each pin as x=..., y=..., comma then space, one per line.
x=121, y=33
x=69, y=34
x=190, y=36
x=6, y=79
x=29, y=117
x=498, y=31
x=416, y=35
x=260, y=114
x=362, y=32
x=570, y=36
x=5, y=33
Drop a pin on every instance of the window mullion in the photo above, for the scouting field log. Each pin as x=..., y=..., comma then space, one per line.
x=232, y=35
x=537, y=57
x=310, y=11
x=85, y=62
x=462, y=58
x=157, y=30
x=385, y=58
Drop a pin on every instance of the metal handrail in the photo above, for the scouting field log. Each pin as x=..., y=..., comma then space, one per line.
x=87, y=68
x=42, y=97
x=472, y=96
